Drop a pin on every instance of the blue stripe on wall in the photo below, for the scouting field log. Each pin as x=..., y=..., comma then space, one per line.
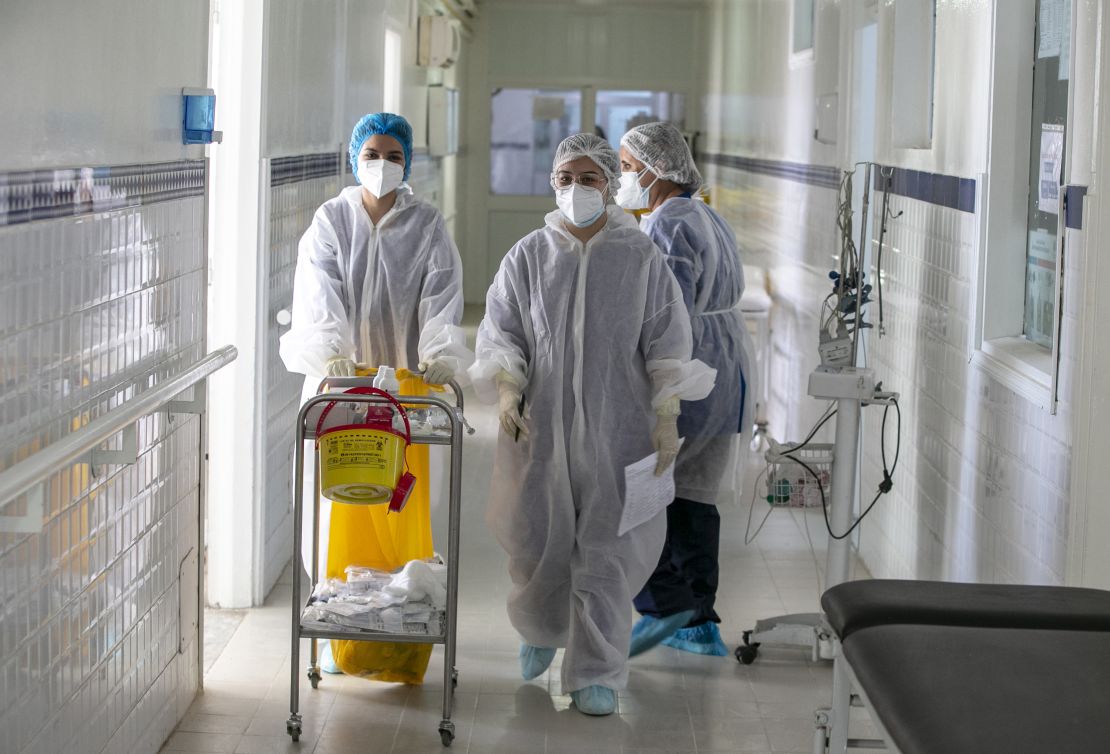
x=815, y=175
x=303, y=167
x=32, y=195
x=943, y=190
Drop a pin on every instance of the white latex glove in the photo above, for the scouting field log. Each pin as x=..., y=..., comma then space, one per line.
x=665, y=439
x=437, y=372
x=508, y=410
x=340, y=366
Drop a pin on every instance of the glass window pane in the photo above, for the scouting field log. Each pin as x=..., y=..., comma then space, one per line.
x=618, y=111
x=526, y=127
x=803, y=25
x=1046, y=157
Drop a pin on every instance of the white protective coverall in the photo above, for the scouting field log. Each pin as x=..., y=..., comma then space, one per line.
x=700, y=249
x=599, y=337
x=386, y=294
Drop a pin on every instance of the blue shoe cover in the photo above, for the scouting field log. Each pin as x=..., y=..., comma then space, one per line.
x=327, y=659
x=534, y=660
x=595, y=700
x=649, y=631
x=701, y=640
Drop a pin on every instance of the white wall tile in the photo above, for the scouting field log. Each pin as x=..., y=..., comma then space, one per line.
x=88, y=623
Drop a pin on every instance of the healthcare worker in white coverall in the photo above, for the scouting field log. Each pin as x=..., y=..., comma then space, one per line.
x=378, y=281
x=658, y=173
x=586, y=345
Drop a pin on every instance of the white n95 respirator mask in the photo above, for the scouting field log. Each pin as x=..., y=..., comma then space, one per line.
x=581, y=205
x=631, y=195
x=379, y=177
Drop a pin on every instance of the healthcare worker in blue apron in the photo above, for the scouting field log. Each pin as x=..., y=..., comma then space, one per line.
x=658, y=174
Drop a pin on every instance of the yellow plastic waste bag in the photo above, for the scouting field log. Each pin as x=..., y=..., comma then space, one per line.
x=371, y=536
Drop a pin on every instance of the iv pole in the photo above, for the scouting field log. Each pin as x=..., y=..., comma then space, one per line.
x=838, y=378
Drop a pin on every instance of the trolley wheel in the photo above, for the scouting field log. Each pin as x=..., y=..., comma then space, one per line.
x=293, y=729
x=314, y=677
x=746, y=653
x=446, y=732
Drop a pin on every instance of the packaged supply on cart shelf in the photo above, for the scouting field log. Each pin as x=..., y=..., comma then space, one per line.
x=430, y=421
x=411, y=601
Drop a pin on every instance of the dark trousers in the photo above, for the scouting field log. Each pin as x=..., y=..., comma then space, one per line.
x=686, y=577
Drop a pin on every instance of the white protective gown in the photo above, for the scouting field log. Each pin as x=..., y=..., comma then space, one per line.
x=386, y=294
x=700, y=249
x=599, y=336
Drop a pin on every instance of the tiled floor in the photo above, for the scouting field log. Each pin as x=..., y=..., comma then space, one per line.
x=675, y=702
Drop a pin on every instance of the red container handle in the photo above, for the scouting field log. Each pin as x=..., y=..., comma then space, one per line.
x=368, y=391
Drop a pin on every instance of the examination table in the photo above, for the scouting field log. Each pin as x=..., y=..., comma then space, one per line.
x=950, y=668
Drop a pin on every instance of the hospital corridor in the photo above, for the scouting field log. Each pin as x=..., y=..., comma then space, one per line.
x=554, y=376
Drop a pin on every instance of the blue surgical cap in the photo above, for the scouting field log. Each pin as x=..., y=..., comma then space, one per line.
x=386, y=124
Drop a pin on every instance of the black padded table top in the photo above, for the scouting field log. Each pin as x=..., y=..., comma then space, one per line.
x=859, y=604
x=969, y=690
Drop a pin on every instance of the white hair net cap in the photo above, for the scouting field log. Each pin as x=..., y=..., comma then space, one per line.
x=661, y=147
x=597, y=149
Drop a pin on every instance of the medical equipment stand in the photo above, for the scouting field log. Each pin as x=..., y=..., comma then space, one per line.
x=307, y=419
x=851, y=388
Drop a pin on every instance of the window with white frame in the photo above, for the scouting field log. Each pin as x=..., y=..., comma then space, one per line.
x=391, y=86
x=526, y=125
x=802, y=22
x=1046, y=158
x=1021, y=198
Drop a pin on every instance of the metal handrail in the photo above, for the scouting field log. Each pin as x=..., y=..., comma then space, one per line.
x=27, y=473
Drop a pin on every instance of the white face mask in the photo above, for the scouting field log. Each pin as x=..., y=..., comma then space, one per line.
x=631, y=195
x=379, y=177
x=581, y=205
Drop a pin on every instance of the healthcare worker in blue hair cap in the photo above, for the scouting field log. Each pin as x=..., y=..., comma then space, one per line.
x=378, y=281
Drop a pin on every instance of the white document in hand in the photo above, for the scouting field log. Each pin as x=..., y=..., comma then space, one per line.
x=645, y=494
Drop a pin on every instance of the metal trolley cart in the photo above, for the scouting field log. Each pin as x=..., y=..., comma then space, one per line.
x=307, y=420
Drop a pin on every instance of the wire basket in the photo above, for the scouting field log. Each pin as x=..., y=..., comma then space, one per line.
x=790, y=484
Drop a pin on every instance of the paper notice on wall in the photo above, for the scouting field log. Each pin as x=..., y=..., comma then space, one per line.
x=548, y=108
x=1052, y=155
x=1042, y=248
x=1052, y=25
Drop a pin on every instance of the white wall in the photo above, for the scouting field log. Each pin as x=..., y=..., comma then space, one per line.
x=763, y=106
x=83, y=93
x=305, y=57
x=760, y=105
x=982, y=490
x=961, y=91
x=97, y=604
x=1088, y=555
